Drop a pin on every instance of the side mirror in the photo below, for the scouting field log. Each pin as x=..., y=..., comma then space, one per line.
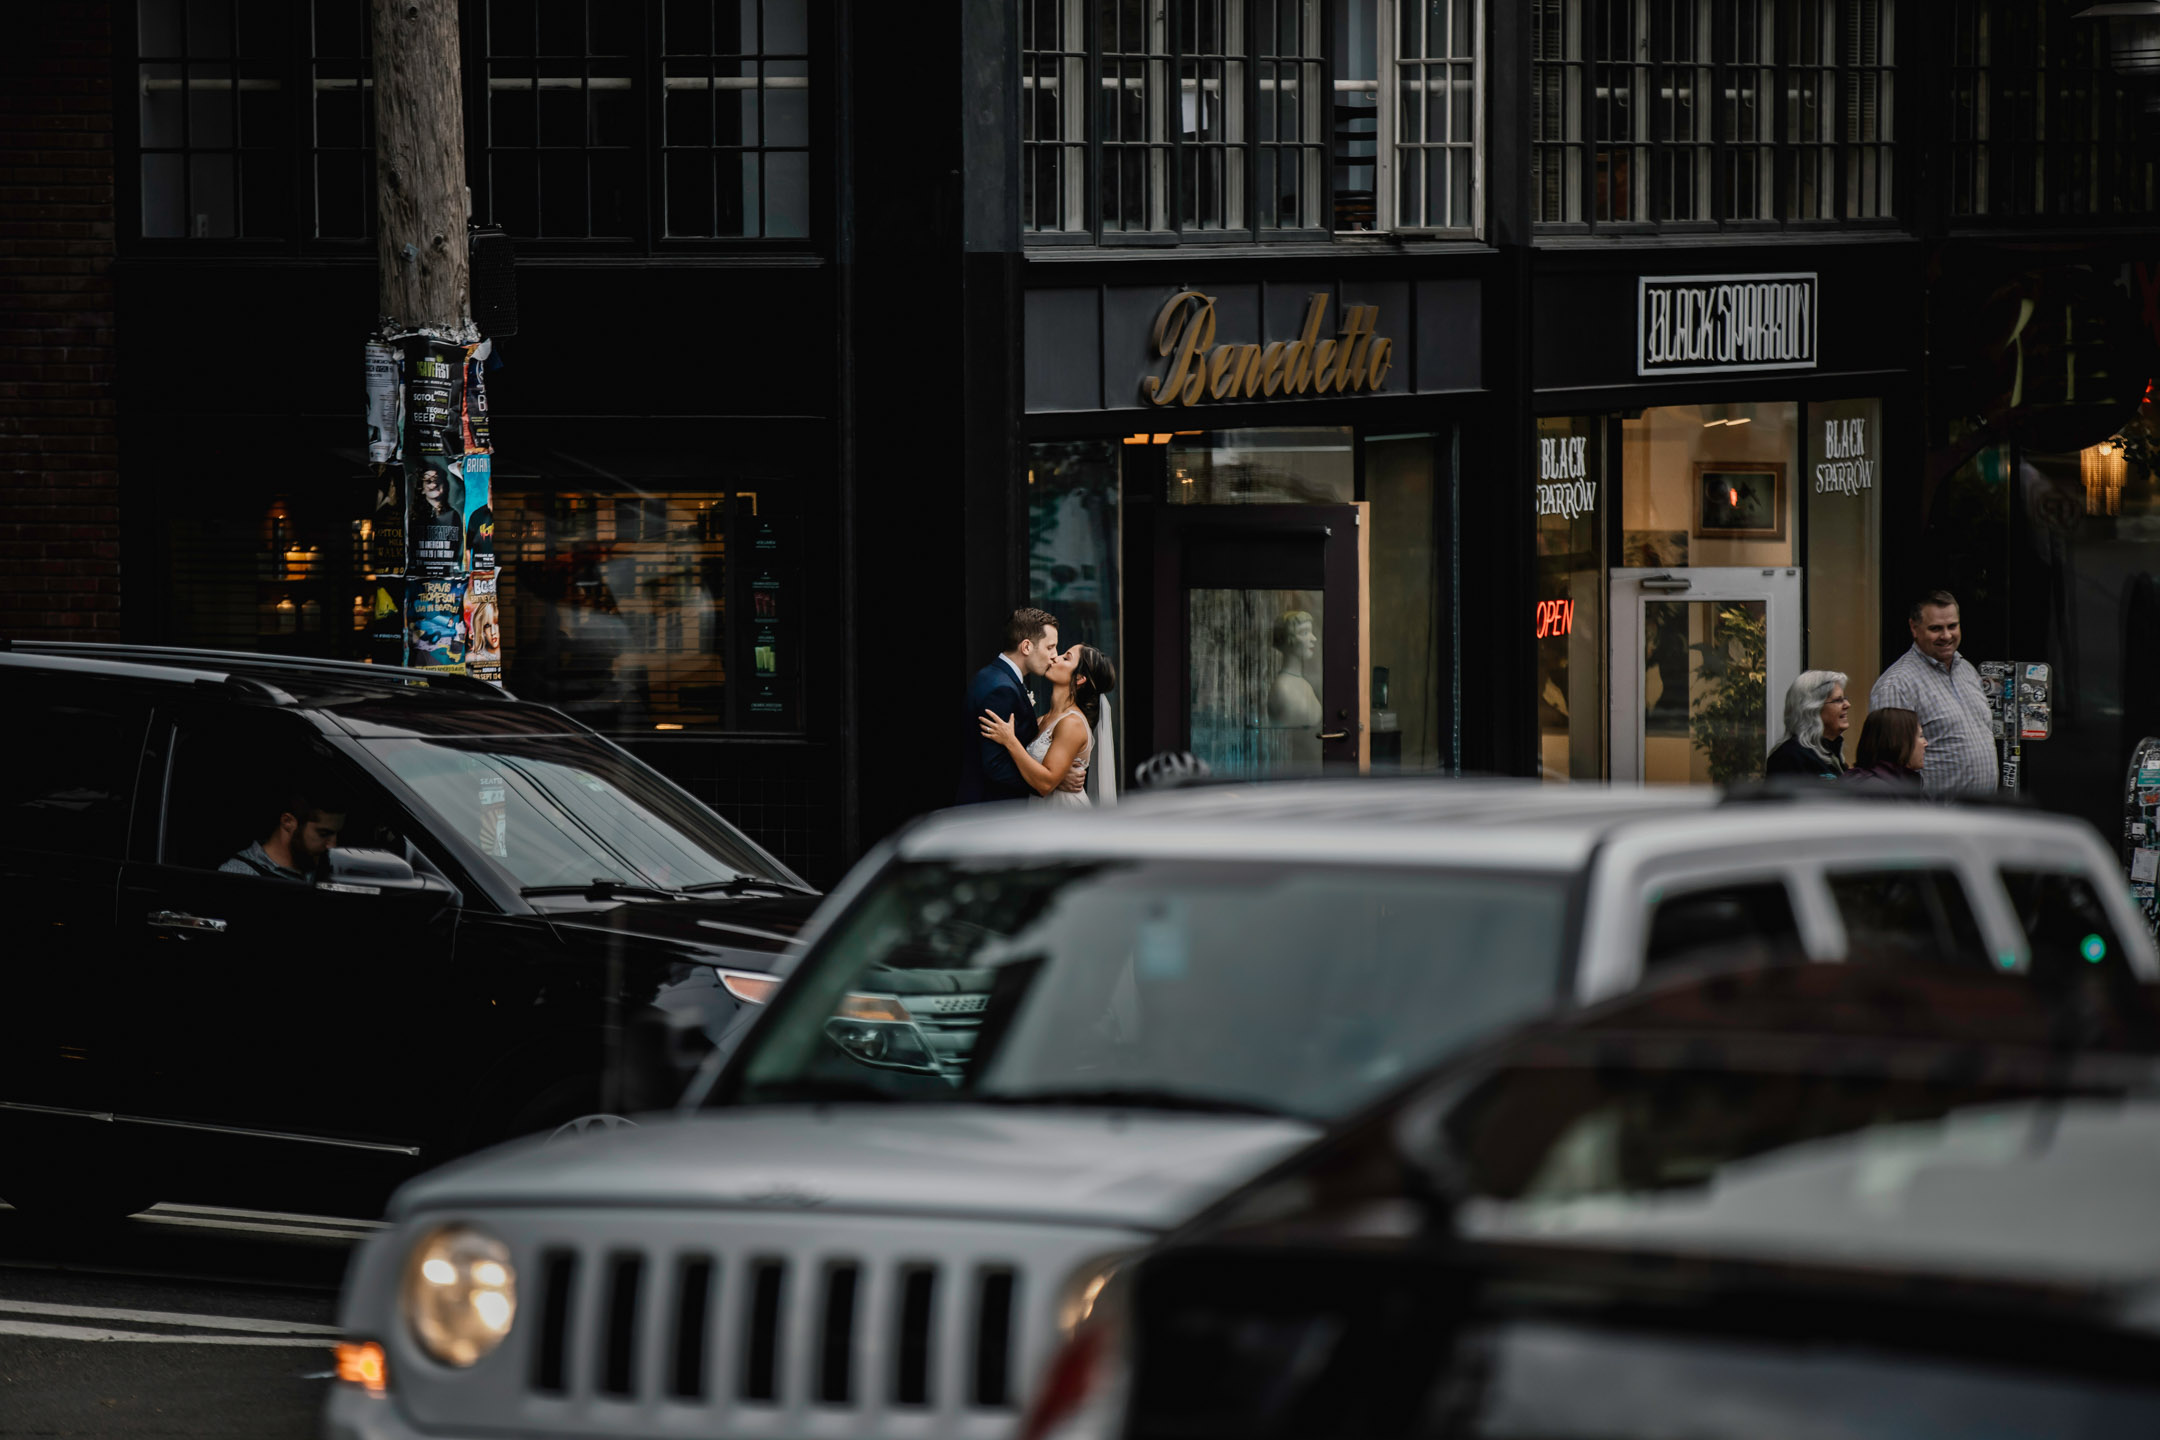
x=377, y=872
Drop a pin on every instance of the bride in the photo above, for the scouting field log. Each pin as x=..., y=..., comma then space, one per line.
x=1079, y=680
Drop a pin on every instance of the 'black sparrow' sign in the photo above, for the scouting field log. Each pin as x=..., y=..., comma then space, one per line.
x=1694, y=324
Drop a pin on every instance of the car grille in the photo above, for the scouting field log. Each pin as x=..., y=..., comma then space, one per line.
x=653, y=1319
x=763, y=1324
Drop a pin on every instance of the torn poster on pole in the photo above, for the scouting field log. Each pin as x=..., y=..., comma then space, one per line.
x=479, y=514
x=384, y=403
x=386, y=523
x=475, y=407
x=483, y=628
x=434, y=423
x=435, y=616
x=435, y=523
x=386, y=620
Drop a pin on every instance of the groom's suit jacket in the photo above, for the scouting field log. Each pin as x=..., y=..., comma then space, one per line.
x=987, y=771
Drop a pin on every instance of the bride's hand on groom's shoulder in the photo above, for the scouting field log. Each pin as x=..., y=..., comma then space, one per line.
x=996, y=729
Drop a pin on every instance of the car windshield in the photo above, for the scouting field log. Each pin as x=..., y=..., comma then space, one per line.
x=1944, y=1168
x=1300, y=989
x=567, y=810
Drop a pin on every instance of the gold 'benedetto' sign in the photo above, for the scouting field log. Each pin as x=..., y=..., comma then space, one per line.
x=1199, y=369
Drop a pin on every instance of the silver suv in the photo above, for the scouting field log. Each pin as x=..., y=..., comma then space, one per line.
x=1020, y=1046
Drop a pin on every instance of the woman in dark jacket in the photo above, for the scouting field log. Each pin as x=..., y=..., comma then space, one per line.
x=1891, y=750
x=1816, y=714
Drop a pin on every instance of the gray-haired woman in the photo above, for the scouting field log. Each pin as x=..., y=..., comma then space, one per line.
x=1816, y=714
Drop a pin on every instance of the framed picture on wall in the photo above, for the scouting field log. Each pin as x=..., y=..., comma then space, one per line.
x=1739, y=500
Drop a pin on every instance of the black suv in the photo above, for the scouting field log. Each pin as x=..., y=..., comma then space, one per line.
x=518, y=924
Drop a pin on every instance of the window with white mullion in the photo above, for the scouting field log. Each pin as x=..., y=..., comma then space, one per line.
x=1211, y=156
x=1134, y=124
x=1679, y=130
x=1054, y=104
x=1746, y=108
x=1556, y=115
x=1290, y=139
x=1436, y=114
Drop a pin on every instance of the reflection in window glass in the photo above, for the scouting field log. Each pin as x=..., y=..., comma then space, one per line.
x=616, y=604
x=1290, y=466
x=1705, y=691
x=569, y=811
x=1073, y=555
x=1403, y=487
x=1907, y=916
x=1191, y=981
x=1256, y=680
x=74, y=799
x=2065, y=923
x=1568, y=620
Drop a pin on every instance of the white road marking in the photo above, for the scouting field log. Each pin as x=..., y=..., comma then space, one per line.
x=32, y=1330
x=216, y=1212
x=311, y=1232
x=166, y=1317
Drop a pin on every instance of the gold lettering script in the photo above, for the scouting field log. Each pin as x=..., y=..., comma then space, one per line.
x=1199, y=369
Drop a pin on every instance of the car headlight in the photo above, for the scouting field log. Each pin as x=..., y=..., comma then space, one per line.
x=460, y=1294
x=1082, y=1288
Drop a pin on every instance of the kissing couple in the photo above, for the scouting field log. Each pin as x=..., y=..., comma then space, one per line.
x=1064, y=758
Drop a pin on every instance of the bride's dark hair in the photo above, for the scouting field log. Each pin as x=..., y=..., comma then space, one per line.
x=1093, y=675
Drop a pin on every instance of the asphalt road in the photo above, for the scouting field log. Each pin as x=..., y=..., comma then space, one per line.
x=184, y=1321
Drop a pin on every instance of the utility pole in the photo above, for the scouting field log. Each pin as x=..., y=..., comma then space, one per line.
x=420, y=250
x=428, y=556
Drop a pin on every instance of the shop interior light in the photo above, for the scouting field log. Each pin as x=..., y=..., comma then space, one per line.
x=1136, y=439
x=667, y=725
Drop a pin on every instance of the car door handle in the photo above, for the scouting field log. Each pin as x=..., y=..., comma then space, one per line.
x=181, y=920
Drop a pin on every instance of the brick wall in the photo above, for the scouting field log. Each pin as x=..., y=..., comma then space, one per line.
x=59, y=483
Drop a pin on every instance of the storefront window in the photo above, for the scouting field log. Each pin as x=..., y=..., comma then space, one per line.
x=1570, y=502
x=1844, y=512
x=661, y=609
x=1404, y=486
x=1073, y=570
x=1706, y=485
x=1302, y=466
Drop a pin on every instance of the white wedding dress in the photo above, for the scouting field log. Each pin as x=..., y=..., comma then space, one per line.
x=1064, y=799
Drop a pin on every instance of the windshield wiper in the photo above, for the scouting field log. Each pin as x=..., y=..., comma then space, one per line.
x=605, y=889
x=740, y=883
x=1135, y=1099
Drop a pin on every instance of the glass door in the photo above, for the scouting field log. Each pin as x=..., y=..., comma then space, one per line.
x=1701, y=661
x=1261, y=646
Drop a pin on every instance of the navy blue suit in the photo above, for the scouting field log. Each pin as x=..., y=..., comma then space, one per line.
x=987, y=771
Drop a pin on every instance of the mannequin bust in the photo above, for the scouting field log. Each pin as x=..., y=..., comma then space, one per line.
x=1293, y=705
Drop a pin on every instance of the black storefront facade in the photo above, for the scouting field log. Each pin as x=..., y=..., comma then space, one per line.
x=845, y=329
x=1241, y=479
x=1726, y=448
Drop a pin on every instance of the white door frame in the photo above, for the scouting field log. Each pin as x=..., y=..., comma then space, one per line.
x=1778, y=587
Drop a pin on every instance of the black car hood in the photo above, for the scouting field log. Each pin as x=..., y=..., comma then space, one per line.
x=753, y=931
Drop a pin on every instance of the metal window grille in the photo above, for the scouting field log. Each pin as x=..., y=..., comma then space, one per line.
x=1053, y=115
x=1211, y=148
x=341, y=121
x=1435, y=114
x=1408, y=114
x=211, y=119
x=1712, y=112
x=735, y=123
x=1556, y=115
x=1133, y=72
x=561, y=119
x=1289, y=191
x=1744, y=116
x=2040, y=125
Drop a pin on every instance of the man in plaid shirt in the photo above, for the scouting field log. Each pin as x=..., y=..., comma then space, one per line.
x=1940, y=686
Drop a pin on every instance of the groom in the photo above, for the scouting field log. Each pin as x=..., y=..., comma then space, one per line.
x=986, y=770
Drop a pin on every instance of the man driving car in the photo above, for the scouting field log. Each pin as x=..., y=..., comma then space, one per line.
x=304, y=829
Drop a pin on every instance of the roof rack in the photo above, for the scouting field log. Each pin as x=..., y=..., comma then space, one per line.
x=348, y=671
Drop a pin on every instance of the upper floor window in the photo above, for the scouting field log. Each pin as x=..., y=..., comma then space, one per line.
x=1712, y=112
x=211, y=120
x=2039, y=125
x=1239, y=117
